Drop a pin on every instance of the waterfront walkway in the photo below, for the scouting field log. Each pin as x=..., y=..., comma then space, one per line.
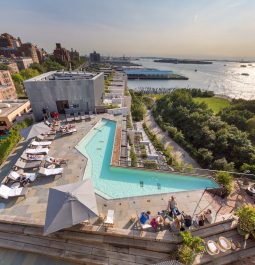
x=180, y=154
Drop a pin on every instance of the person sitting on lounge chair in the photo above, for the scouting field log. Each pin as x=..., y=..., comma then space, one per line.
x=175, y=225
x=201, y=220
x=160, y=221
x=145, y=216
x=154, y=224
x=187, y=220
x=56, y=161
x=208, y=216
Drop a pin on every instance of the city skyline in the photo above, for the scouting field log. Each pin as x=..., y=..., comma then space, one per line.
x=201, y=29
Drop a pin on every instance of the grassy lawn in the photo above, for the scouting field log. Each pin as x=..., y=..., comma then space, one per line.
x=214, y=103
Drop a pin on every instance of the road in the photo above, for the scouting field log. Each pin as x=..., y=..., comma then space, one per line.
x=180, y=154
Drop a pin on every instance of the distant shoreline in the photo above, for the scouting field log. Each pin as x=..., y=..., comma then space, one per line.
x=185, y=61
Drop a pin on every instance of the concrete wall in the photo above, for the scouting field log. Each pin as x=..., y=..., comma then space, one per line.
x=85, y=92
x=118, y=111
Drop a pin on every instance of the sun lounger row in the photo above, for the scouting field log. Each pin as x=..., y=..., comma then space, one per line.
x=22, y=179
x=79, y=116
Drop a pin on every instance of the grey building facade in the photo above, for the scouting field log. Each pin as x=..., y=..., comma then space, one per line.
x=65, y=92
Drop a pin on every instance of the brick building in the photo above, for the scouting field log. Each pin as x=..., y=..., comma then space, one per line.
x=28, y=50
x=61, y=55
x=11, y=47
x=7, y=88
x=9, y=42
x=11, y=64
x=23, y=62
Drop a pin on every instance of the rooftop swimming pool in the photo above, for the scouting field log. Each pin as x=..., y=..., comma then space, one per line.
x=115, y=182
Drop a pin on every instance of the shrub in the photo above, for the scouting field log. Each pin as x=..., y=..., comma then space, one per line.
x=7, y=144
x=222, y=164
x=226, y=180
x=194, y=242
x=143, y=154
x=133, y=157
x=246, y=221
x=191, y=246
x=150, y=164
x=186, y=255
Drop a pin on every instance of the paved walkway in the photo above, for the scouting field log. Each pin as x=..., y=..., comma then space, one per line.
x=180, y=154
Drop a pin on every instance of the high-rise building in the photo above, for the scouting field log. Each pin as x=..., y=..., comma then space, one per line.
x=94, y=57
x=61, y=54
x=7, y=88
x=74, y=55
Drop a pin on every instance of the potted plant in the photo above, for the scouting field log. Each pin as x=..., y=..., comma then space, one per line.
x=246, y=220
x=190, y=248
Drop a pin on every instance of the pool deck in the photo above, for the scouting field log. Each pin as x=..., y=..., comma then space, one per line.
x=35, y=203
x=22, y=220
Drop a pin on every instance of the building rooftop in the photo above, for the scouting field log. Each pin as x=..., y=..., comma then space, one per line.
x=63, y=75
x=8, y=106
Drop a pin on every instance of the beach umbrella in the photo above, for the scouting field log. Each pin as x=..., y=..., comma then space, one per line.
x=69, y=205
x=34, y=130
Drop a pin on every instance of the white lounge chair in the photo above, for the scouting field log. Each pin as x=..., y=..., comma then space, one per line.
x=46, y=143
x=37, y=151
x=6, y=192
x=27, y=165
x=77, y=117
x=13, y=175
x=109, y=221
x=28, y=157
x=50, y=171
x=49, y=137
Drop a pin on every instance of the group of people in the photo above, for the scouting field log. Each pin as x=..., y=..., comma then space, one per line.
x=47, y=114
x=174, y=219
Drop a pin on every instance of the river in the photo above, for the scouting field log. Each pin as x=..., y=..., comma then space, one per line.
x=224, y=78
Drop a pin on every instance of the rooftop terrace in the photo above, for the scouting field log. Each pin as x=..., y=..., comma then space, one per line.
x=8, y=106
x=97, y=243
x=63, y=75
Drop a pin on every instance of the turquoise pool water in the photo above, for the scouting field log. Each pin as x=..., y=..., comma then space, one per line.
x=112, y=182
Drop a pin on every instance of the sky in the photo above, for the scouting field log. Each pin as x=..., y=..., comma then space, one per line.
x=167, y=28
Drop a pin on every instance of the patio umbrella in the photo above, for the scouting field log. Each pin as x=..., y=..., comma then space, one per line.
x=69, y=205
x=34, y=130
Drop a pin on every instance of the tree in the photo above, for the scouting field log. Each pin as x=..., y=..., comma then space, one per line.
x=226, y=180
x=38, y=67
x=138, y=108
x=51, y=65
x=29, y=73
x=200, y=129
x=222, y=164
x=3, y=67
x=205, y=157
